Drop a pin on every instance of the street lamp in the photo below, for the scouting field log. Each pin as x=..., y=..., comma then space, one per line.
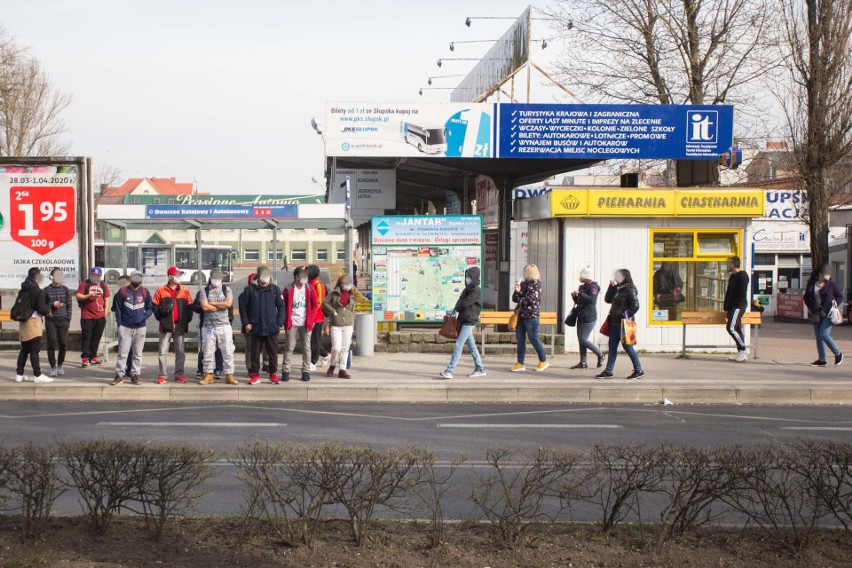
x=435, y=89
x=441, y=61
x=429, y=81
x=321, y=186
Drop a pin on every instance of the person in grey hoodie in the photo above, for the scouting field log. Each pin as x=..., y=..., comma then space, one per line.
x=468, y=307
x=59, y=300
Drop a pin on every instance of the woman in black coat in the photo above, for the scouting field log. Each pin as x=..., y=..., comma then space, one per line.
x=623, y=299
x=586, y=300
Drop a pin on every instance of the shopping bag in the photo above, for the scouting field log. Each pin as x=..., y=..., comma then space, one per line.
x=571, y=320
x=604, y=330
x=450, y=328
x=513, y=320
x=835, y=315
x=628, y=330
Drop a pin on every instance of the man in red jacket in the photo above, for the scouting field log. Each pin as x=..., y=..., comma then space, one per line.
x=317, y=349
x=300, y=307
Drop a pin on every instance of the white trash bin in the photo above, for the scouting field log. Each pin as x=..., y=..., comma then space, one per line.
x=365, y=335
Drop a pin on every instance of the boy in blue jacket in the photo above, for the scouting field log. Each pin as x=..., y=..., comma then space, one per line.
x=133, y=307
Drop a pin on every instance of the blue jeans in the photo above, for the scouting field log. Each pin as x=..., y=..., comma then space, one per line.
x=614, y=342
x=528, y=328
x=822, y=331
x=584, y=330
x=465, y=337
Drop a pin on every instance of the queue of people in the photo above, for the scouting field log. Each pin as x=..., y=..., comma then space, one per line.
x=265, y=312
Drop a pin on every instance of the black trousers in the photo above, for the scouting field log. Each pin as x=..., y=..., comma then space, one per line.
x=91, y=332
x=57, y=338
x=270, y=344
x=29, y=349
x=735, y=327
x=317, y=349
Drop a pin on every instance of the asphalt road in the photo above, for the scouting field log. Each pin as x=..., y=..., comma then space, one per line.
x=446, y=429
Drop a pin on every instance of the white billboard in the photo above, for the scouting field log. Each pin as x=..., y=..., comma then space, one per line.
x=369, y=189
x=417, y=130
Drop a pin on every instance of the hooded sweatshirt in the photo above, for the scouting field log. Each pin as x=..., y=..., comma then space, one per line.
x=33, y=326
x=469, y=304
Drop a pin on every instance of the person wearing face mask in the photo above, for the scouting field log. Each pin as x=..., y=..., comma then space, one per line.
x=821, y=294
x=173, y=309
x=30, y=306
x=92, y=296
x=623, y=299
x=124, y=280
x=241, y=301
x=586, y=299
x=468, y=307
x=300, y=301
x=339, y=306
x=59, y=300
x=217, y=303
x=317, y=349
x=262, y=316
x=133, y=306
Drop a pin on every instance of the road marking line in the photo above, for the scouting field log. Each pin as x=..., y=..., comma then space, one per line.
x=819, y=428
x=576, y=426
x=201, y=424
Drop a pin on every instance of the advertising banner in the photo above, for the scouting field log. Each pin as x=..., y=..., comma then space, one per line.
x=419, y=264
x=369, y=189
x=656, y=203
x=38, y=222
x=785, y=205
x=419, y=130
x=507, y=55
x=221, y=211
x=243, y=199
x=780, y=236
x=487, y=201
x=671, y=132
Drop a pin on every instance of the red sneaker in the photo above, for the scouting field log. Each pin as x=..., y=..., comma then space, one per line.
x=254, y=379
x=180, y=379
x=95, y=361
x=161, y=380
x=85, y=363
x=273, y=378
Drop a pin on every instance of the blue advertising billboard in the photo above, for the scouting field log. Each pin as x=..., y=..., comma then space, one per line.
x=222, y=211
x=670, y=132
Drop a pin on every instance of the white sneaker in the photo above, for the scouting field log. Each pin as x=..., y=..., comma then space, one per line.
x=479, y=373
x=20, y=378
x=54, y=371
x=446, y=375
x=326, y=359
x=313, y=367
x=60, y=371
x=42, y=379
x=741, y=357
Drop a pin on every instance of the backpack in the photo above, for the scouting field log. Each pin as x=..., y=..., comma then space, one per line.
x=230, y=310
x=22, y=309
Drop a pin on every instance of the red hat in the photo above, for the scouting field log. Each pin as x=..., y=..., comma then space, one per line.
x=174, y=271
x=251, y=276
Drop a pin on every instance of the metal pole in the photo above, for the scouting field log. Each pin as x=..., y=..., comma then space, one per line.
x=198, y=253
x=275, y=249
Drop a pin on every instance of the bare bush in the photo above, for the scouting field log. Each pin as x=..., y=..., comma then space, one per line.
x=693, y=485
x=829, y=474
x=104, y=474
x=770, y=488
x=371, y=479
x=620, y=475
x=169, y=477
x=433, y=488
x=34, y=479
x=513, y=493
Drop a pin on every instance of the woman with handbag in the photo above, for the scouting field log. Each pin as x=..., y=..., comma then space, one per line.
x=823, y=299
x=624, y=301
x=586, y=314
x=468, y=307
x=527, y=296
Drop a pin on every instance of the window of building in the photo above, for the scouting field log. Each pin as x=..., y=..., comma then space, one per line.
x=341, y=254
x=690, y=271
x=137, y=200
x=270, y=255
x=171, y=201
x=764, y=259
x=322, y=255
x=251, y=254
x=156, y=201
x=298, y=254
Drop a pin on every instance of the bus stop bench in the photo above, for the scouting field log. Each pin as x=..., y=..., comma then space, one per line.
x=502, y=318
x=717, y=318
x=6, y=317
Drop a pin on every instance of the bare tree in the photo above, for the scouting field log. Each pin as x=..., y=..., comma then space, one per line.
x=30, y=106
x=816, y=46
x=107, y=175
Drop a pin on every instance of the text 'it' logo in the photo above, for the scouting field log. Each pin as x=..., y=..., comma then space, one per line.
x=702, y=126
x=382, y=227
x=570, y=203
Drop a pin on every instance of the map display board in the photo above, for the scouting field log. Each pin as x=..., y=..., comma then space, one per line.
x=419, y=264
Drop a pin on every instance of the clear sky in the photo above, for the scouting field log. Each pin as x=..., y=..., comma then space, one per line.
x=222, y=92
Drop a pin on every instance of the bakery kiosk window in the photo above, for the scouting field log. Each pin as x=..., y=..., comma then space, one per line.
x=689, y=271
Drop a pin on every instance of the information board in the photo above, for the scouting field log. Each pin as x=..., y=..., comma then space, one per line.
x=419, y=264
x=203, y=211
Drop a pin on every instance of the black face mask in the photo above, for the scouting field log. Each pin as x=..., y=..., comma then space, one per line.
x=135, y=284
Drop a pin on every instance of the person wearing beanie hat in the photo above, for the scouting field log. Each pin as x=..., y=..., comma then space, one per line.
x=586, y=306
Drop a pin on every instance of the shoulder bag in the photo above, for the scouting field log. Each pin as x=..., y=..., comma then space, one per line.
x=628, y=330
x=450, y=328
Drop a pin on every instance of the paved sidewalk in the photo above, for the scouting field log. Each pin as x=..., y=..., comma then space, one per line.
x=782, y=375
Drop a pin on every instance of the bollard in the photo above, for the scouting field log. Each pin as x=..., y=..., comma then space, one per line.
x=365, y=332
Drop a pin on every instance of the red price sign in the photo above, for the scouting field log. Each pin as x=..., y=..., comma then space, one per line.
x=42, y=218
